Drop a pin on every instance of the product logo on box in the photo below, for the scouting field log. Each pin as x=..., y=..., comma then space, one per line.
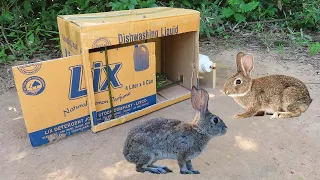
x=99, y=84
x=101, y=42
x=33, y=86
x=141, y=58
x=29, y=68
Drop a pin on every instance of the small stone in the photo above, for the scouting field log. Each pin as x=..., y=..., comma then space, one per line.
x=292, y=172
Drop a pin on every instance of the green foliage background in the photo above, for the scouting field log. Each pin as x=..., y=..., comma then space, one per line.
x=29, y=27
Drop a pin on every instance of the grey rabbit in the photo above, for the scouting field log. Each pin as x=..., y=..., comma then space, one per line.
x=162, y=138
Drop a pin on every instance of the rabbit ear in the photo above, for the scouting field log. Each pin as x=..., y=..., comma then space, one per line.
x=247, y=64
x=199, y=99
x=195, y=98
x=204, y=98
x=238, y=61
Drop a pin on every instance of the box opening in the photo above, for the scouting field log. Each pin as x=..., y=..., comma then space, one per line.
x=175, y=56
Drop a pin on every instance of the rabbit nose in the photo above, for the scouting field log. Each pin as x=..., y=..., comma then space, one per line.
x=225, y=127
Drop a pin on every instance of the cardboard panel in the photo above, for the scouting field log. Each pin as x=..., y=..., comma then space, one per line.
x=116, y=17
x=142, y=112
x=180, y=58
x=55, y=105
x=132, y=78
x=44, y=92
x=70, y=40
x=138, y=30
x=173, y=92
x=112, y=28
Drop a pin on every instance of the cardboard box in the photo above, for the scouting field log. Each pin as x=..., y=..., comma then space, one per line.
x=169, y=35
x=53, y=97
x=88, y=31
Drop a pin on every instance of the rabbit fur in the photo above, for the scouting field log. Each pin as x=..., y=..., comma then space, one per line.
x=279, y=95
x=162, y=138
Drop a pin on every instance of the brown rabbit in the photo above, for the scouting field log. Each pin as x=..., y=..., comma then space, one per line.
x=280, y=95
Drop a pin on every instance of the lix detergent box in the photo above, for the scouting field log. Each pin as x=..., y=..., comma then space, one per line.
x=53, y=93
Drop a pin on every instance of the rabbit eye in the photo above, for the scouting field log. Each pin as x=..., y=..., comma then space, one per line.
x=215, y=120
x=238, y=81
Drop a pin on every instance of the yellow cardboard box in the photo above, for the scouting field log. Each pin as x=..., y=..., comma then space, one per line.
x=80, y=32
x=53, y=93
x=142, y=42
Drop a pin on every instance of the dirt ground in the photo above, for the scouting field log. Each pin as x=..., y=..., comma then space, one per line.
x=254, y=148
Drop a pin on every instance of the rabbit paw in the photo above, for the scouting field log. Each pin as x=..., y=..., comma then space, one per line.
x=275, y=115
x=196, y=172
x=282, y=115
x=247, y=114
x=165, y=168
x=156, y=170
x=186, y=172
x=240, y=116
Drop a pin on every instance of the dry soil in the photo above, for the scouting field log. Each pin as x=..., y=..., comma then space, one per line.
x=253, y=148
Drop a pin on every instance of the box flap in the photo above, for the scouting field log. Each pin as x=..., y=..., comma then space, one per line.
x=93, y=19
x=123, y=27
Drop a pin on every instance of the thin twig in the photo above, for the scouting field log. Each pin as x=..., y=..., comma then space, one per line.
x=5, y=38
x=279, y=5
x=13, y=30
x=54, y=32
x=232, y=29
x=269, y=21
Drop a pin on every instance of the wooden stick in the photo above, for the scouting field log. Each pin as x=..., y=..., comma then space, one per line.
x=5, y=38
x=214, y=75
x=269, y=21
